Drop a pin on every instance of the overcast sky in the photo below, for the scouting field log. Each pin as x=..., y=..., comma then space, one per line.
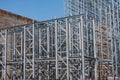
x=36, y=9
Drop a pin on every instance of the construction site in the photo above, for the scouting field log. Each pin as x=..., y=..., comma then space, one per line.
x=83, y=45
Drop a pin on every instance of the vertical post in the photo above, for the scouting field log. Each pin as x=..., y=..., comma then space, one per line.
x=118, y=35
x=70, y=36
x=21, y=45
x=39, y=55
x=115, y=57
x=48, y=49
x=87, y=37
x=82, y=45
x=101, y=46
x=95, y=56
x=24, y=71
x=21, y=50
x=112, y=55
x=107, y=31
x=70, y=48
x=56, y=49
x=14, y=46
x=67, y=47
x=14, y=51
x=6, y=48
x=113, y=26
x=33, y=53
x=113, y=71
x=80, y=35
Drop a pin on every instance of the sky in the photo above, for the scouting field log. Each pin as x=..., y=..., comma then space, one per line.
x=36, y=9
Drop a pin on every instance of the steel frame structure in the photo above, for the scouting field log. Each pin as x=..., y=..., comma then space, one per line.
x=48, y=50
x=71, y=48
x=80, y=47
x=64, y=48
x=106, y=31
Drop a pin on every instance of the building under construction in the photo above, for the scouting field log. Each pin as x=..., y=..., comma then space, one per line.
x=84, y=45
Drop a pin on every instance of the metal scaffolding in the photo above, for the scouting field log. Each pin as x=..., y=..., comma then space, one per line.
x=48, y=50
x=78, y=47
x=69, y=48
x=106, y=29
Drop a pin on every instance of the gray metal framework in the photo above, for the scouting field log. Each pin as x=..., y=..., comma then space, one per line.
x=48, y=50
x=106, y=29
x=69, y=48
x=79, y=47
